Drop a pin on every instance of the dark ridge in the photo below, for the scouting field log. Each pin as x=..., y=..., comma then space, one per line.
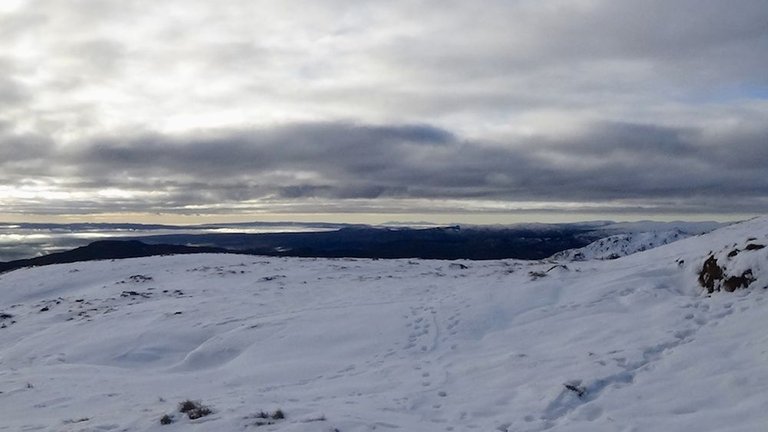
x=352, y=242
x=108, y=249
x=368, y=242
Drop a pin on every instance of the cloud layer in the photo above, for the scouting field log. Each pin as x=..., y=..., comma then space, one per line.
x=664, y=169
x=402, y=106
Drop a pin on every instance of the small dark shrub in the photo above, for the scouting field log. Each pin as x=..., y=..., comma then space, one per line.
x=199, y=412
x=264, y=418
x=140, y=278
x=80, y=420
x=194, y=409
x=188, y=405
x=322, y=418
x=576, y=388
x=166, y=419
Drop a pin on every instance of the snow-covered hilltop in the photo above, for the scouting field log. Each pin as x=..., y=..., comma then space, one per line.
x=620, y=245
x=287, y=344
x=636, y=237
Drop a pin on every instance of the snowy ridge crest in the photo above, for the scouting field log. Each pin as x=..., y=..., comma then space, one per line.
x=617, y=246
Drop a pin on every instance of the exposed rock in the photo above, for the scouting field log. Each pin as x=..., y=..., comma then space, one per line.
x=710, y=273
x=735, y=282
x=739, y=273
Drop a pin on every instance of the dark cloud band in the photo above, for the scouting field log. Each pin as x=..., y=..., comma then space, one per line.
x=664, y=168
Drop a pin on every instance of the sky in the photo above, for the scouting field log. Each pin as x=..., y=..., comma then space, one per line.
x=489, y=111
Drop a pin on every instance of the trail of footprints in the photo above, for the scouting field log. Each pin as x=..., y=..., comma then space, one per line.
x=422, y=328
x=428, y=332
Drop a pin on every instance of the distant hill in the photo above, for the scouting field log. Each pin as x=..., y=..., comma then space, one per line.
x=352, y=242
x=620, y=245
x=525, y=241
x=635, y=237
x=372, y=242
x=107, y=249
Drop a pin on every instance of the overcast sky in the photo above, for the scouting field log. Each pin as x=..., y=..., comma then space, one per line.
x=244, y=109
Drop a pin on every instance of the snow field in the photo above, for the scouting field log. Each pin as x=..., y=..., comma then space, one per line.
x=357, y=345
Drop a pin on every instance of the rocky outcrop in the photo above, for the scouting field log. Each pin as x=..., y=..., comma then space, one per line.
x=730, y=270
x=711, y=274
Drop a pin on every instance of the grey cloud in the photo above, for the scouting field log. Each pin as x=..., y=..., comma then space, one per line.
x=15, y=25
x=304, y=146
x=334, y=162
x=650, y=75
x=98, y=56
x=742, y=150
x=411, y=61
x=12, y=92
x=82, y=15
x=644, y=46
x=24, y=147
x=659, y=28
x=631, y=141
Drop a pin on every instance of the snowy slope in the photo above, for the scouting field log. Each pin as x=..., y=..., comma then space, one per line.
x=633, y=344
x=620, y=245
x=633, y=237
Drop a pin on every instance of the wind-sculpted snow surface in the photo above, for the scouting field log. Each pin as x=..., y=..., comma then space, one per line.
x=286, y=344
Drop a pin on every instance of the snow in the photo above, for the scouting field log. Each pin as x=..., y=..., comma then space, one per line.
x=632, y=344
x=620, y=245
x=633, y=237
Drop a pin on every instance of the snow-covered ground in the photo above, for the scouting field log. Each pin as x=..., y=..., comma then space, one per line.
x=634, y=237
x=619, y=245
x=633, y=344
